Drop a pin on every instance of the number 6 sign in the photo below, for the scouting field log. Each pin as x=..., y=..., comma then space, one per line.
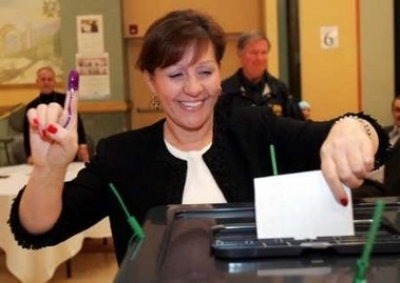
x=329, y=37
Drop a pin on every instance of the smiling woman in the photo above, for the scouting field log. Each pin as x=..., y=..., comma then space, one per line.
x=204, y=151
x=182, y=70
x=188, y=92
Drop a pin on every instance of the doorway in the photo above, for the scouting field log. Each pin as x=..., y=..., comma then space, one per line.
x=289, y=46
x=293, y=39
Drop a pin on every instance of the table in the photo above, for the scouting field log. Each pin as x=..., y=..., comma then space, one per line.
x=37, y=266
x=177, y=249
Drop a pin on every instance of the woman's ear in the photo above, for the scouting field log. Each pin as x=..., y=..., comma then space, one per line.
x=148, y=78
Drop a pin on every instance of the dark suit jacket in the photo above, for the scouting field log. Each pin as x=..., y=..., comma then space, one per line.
x=391, y=178
x=279, y=96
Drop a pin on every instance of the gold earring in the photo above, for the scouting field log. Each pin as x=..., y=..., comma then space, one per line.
x=155, y=102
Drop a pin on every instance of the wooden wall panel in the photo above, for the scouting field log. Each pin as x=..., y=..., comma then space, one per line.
x=234, y=15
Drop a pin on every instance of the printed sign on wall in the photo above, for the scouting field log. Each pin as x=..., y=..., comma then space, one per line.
x=329, y=37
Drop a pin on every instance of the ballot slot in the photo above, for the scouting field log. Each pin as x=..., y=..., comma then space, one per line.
x=234, y=241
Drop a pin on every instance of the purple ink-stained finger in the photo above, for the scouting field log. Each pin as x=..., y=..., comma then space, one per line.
x=73, y=81
x=73, y=86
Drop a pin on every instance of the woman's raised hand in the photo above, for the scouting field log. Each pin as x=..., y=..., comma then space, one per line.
x=53, y=131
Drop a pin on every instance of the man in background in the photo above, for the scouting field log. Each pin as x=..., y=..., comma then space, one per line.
x=253, y=85
x=46, y=82
x=385, y=181
x=306, y=109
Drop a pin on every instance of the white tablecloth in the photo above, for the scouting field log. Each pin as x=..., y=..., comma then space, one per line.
x=37, y=266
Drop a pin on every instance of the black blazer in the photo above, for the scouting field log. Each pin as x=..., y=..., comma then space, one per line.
x=391, y=177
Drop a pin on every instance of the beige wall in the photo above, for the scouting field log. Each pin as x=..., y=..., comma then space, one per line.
x=236, y=16
x=330, y=79
x=270, y=23
x=377, y=58
x=359, y=74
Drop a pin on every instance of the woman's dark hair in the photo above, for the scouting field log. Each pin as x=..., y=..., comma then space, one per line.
x=169, y=38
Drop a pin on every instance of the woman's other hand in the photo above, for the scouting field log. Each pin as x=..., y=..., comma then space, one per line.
x=347, y=155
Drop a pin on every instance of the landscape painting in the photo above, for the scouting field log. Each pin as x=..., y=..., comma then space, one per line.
x=29, y=39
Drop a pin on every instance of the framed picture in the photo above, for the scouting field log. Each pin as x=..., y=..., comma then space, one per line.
x=29, y=39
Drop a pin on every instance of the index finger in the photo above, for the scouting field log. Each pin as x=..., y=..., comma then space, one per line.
x=331, y=176
x=71, y=100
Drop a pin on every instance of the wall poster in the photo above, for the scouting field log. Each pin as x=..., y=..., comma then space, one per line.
x=92, y=62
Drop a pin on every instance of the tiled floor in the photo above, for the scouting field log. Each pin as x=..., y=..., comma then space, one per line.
x=90, y=265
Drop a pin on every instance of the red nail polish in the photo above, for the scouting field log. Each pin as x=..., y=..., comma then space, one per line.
x=344, y=201
x=51, y=129
x=35, y=122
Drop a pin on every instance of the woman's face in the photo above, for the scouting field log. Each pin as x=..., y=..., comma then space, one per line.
x=188, y=90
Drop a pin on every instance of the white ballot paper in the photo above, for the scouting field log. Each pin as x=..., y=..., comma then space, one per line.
x=300, y=206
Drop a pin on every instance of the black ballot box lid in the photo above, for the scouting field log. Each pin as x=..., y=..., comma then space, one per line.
x=179, y=248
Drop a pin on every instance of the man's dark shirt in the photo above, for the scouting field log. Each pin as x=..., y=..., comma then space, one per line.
x=269, y=91
x=47, y=99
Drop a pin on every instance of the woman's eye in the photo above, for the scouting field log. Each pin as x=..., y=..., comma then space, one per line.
x=206, y=72
x=175, y=75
